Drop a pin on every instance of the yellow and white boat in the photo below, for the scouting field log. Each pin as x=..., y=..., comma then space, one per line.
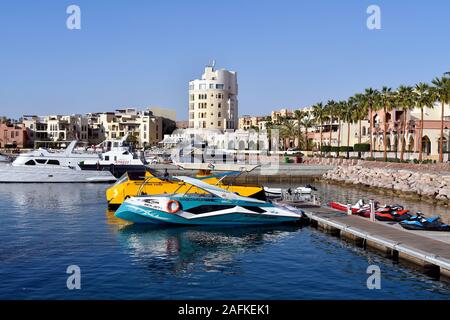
x=131, y=184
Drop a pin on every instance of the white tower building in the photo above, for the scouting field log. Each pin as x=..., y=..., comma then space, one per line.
x=213, y=100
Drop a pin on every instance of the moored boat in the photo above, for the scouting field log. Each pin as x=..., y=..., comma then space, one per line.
x=422, y=223
x=215, y=206
x=149, y=183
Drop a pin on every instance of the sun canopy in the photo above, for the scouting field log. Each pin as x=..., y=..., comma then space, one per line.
x=219, y=192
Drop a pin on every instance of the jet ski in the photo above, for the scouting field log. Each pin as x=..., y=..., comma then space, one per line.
x=420, y=222
x=392, y=213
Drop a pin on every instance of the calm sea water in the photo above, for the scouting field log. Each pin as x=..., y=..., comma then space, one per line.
x=46, y=228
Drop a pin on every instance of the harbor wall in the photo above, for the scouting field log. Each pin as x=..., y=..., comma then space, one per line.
x=428, y=182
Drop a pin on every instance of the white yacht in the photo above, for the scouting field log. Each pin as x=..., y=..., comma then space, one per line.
x=66, y=158
x=45, y=166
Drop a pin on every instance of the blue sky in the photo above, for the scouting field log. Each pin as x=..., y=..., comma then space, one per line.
x=139, y=53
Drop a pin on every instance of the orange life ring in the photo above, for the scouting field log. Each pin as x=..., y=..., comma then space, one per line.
x=171, y=208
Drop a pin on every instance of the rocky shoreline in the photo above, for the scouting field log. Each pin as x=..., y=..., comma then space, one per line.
x=426, y=185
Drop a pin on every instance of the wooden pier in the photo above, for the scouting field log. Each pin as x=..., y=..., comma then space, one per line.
x=430, y=250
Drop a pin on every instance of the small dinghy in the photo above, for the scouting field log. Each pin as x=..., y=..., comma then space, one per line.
x=420, y=222
x=343, y=207
x=277, y=192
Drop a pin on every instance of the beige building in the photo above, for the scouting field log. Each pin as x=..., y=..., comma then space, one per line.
x=56, y=127
x=213, y=100
x=249, y=122
x=143, y=125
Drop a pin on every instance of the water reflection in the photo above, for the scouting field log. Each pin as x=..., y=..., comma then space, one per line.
x=180, y=250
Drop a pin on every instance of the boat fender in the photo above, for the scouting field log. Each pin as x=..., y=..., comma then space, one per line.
x=173, y=206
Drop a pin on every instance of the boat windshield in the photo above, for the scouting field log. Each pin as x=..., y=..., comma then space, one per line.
x=122, y=179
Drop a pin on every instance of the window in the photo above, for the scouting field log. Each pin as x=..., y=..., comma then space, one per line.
x=220, y=114
x=219, y=105
x=106, y=158
x=202, y=86
x=211, y=85
x=219, y=123
x=30, y=163
x=41, y=161
x=53, y=162
x=219, y=86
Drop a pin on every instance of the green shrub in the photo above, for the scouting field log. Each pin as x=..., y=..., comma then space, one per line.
x=345, y=149
x=325, y=148
x=361, y=147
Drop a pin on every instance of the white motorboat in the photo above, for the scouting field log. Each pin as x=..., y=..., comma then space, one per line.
x=277, y=192
x=216, y=206
x=118, y=159
x=51, y=167
x=65, y=158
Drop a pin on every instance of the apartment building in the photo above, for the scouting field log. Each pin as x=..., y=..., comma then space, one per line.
x=13, y=135
x=213, y=102
x=145, y=128
x=56, y=128
x=248, y=122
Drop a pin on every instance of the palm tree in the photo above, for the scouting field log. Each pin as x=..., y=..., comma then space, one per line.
x=307, y=122
x=371, y=96
x=299, y=115
x=287, y=130
x=425, y=99
x=331, y=112
x=348, y=114
x=442, y=91
x=386, y=99
x=319, y=116
x=407, y=101
x=269, y=126
x=339, y=108
x=360, y=102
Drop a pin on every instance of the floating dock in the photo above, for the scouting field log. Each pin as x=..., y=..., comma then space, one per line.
x=429, y=250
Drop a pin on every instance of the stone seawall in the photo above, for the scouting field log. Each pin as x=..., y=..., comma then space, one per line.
x=432, y=185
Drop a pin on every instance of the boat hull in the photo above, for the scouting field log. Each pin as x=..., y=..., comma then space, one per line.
x=116, y=170
x=19, y=174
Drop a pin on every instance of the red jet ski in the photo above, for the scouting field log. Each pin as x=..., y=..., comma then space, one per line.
x=343, y=207
x=392, y=213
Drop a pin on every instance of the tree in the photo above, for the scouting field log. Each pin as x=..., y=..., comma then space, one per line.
x=299, y=115
x=331, y=113
x=319, y=116
x=425, y=99
x=386, y=99
x=348, y=114
x=407, y=101
x=360, y=103
x=339, y=109
x=307, y=122
x=370, y=98
x=287, y=130
x=441, y=88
